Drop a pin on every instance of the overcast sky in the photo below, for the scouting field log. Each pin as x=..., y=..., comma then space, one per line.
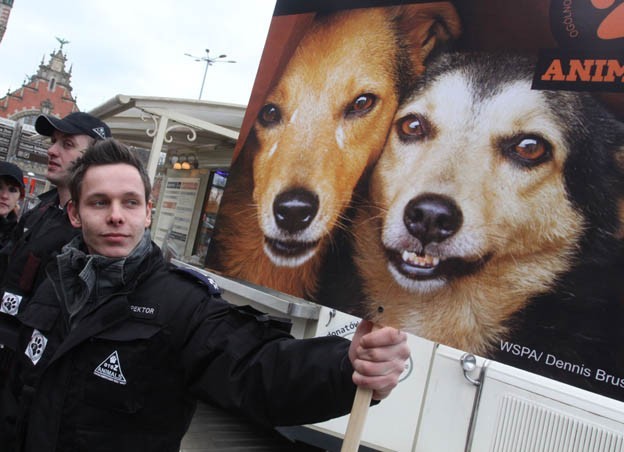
x=137, y=47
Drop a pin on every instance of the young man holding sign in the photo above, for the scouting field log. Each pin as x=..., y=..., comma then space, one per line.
x=115, y=348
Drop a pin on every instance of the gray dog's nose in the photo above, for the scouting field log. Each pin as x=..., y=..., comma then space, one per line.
x=432, y=218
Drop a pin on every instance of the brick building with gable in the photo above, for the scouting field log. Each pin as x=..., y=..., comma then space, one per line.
x=49, y=91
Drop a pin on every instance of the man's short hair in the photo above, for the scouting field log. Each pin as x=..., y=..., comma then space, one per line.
x=105, y=152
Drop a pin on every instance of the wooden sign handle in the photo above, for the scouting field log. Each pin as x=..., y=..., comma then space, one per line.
x=357, y=418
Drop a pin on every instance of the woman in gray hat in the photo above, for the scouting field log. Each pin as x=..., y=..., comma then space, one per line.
x=11, y=191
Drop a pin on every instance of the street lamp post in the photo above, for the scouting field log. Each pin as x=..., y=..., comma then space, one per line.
x=209, y=61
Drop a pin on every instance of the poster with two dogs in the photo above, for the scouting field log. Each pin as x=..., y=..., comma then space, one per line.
x=454, y=169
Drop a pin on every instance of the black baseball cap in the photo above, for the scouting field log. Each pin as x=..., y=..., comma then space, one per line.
x=13, y=172
x=76, y=123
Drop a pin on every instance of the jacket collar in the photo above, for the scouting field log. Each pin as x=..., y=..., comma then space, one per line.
x=46, y=309
x=83, y=281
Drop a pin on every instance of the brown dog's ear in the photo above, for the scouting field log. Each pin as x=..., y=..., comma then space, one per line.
x=425, y=26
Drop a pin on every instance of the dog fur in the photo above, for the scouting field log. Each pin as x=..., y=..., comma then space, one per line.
x=322, y=127
x=493, y=215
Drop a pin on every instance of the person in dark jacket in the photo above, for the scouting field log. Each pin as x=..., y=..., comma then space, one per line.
x=43, y=230
x=115, y=347
x=11, y=191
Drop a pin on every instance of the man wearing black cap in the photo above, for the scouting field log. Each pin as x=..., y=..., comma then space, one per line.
x=70, y=137
x=43, y=231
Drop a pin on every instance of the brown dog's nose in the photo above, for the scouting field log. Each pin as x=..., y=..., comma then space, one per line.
x=432, y=218
x=295, y=209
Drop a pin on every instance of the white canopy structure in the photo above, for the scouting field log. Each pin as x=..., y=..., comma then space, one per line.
x=207, y=130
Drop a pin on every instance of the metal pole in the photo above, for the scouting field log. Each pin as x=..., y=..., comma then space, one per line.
x=208, y=61
x=204, y=79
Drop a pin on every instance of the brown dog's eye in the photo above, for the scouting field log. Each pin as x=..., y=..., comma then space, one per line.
x=412, y=127
x=528, y=150
x=361, y=105
x=269, y=115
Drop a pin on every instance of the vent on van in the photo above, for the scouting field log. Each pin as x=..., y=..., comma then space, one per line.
x=524, y=425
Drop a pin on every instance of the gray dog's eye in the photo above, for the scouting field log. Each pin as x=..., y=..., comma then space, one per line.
x=527, y=150
x=412, y=127
x=531, y=148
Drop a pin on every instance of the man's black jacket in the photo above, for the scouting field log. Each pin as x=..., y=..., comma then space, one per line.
x=39, y=236
x=127, y=376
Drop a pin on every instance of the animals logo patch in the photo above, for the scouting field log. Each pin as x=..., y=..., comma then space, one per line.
x=110, y=369
x=36, y=346
x=10, y=303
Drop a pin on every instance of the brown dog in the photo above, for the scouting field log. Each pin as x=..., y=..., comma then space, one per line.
x=322, y=126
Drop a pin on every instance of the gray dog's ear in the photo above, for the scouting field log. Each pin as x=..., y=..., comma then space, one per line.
x=619, y=161
x=425, y=27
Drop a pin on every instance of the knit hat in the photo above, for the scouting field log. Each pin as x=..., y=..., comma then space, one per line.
x=13, y=172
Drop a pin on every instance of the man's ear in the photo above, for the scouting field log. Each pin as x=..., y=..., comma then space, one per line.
x=74, y=216
x=148, y=215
